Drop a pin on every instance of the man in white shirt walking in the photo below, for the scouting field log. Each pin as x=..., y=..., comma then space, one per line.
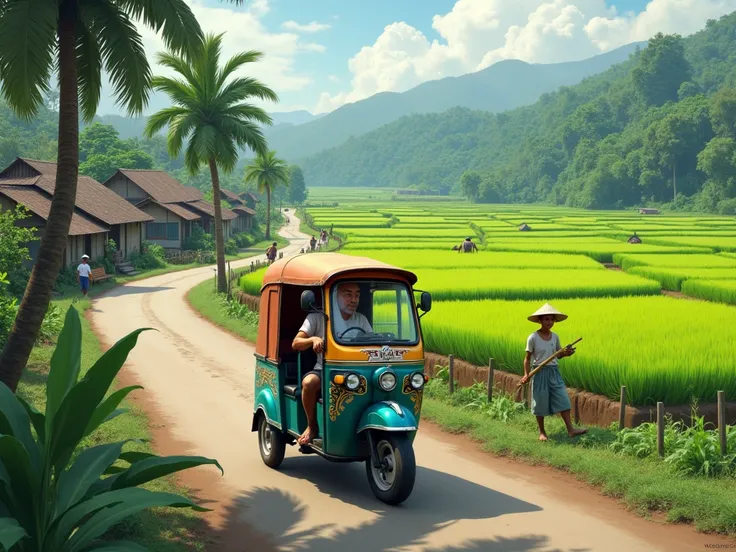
x=83, y=272
x=312, y=335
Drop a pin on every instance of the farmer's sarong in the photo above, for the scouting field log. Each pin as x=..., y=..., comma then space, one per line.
x=549, y=394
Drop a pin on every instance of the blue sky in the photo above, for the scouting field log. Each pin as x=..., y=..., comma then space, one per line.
x=358, y=48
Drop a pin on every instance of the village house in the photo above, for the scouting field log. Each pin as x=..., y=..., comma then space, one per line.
x=250, y=199
x=99, y=214
x=244, y=222
x=176, y=209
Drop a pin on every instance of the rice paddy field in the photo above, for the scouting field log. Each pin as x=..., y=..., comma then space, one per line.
x=673, y=348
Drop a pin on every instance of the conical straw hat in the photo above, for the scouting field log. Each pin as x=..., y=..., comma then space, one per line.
x=547, y=309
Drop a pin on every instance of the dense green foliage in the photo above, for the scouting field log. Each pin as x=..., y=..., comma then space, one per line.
x=663, y=120
x=102, y=152
x=58, y=494
x=297, y=190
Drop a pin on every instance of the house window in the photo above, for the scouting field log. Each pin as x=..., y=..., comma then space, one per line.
x=162, y=231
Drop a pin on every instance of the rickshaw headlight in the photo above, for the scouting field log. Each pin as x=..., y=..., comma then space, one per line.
x=417, y=380
x=352, y=382
x=387, y=381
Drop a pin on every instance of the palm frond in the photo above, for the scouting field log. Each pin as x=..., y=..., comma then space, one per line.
x=247, y=112
x=235, y=63
x=180, y=92
x=179, y=128
x=28, y=33
x=245, y=134
x=174, y=19
x=160, y=119
x=122, y=51
x=181, y=65
x=89, y=72
x=193, y=159
x=243, y=88
x=207, y=65
x=227, y=153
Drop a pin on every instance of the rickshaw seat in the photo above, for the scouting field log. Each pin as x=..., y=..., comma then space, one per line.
x=292, y=391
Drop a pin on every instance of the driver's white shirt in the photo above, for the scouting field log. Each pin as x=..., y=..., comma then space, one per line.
x=314, y=325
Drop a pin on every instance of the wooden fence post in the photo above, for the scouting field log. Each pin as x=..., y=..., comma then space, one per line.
x=491, y=363
x=660, y=428
x=722, y=420
x=451, y=372
x=622, y=409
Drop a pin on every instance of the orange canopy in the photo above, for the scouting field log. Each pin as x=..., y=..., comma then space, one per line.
x=314, y=269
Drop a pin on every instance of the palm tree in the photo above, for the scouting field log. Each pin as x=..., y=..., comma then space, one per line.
x=267, y=171
x=212, y=114
x=76, y=38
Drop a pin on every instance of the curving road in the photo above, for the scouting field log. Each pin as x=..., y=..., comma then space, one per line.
x=198, y=384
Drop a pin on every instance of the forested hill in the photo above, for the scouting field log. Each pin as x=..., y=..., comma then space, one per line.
x=504, y=85
x=664, y=118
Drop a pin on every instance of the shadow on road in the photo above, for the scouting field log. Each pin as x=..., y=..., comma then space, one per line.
x=439, y=500
x=130, y=289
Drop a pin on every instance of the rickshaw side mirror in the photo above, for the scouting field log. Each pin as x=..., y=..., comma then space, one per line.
x=308, y=300
x=425, y=301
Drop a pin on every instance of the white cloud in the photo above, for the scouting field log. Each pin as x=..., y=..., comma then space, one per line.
x=478, y=33
x=313, y=27
x=244, y=30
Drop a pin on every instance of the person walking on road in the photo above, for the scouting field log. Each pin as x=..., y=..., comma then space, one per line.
x=83, y=272
x=271, y=253
x=312, y=243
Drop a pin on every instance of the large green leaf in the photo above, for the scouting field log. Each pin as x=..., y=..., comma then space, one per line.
x=159, y=466
x=10, y=533
x=65, y=365
x=107, y=407
x=79, y=405
x=104, y=519
x=37, y=418
x=87, y=469
x=15, y=421
x=99, y=508
x=23, y=482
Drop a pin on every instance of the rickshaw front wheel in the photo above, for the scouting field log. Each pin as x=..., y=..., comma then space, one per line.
x=393, y=481
x=271, y=443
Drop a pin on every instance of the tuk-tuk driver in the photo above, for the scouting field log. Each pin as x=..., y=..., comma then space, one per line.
x=312, y=335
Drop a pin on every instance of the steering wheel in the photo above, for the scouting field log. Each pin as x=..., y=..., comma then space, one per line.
x=353, y=328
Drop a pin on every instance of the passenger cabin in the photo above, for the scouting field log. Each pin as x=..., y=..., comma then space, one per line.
x=281, y=315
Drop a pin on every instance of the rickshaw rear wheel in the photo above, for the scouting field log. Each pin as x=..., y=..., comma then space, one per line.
x=271, y=443
x=393, y=482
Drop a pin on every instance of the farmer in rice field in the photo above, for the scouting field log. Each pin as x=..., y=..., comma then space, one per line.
x=468, y=246
x=549, y=394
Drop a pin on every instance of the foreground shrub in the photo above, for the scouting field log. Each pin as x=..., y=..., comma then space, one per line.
x=53, y=494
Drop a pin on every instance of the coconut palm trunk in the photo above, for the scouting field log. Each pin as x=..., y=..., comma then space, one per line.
x=268, y=213
x=219, y=238
x=35, y=302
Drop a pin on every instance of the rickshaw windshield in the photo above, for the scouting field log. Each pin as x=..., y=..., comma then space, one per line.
x=376, y=312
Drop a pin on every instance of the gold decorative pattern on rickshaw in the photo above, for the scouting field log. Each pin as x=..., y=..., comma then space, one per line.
x=267, y=377
x=341, y=396
x=414, y=394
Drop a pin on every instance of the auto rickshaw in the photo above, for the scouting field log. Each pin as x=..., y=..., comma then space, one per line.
x=372, y=382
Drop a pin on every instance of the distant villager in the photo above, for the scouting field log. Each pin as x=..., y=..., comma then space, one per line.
x=525, y=227
x=455, y=247
x=468, y=246
x=634, y=239
x=648, y=211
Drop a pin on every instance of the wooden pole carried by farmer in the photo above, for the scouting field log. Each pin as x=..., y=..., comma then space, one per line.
x=543, y=349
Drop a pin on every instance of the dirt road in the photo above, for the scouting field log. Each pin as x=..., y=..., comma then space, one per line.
x=198, y=391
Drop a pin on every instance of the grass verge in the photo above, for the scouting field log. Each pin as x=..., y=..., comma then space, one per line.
x=645, y=486
x=205, y=300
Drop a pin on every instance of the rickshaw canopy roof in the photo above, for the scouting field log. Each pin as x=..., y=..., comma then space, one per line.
x=315, y=269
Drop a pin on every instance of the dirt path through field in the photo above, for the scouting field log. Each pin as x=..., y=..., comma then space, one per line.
x=198, y=393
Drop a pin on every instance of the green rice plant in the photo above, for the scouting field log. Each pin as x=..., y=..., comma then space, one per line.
x=429, y=233
x=531, y=283
x=440, y=260
x=715, y=243
x=673, y=278
x=600, y=251
x=358, y=245
x=252, y=282
x=628, y=261
x=721, y=291
x=623, y=343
